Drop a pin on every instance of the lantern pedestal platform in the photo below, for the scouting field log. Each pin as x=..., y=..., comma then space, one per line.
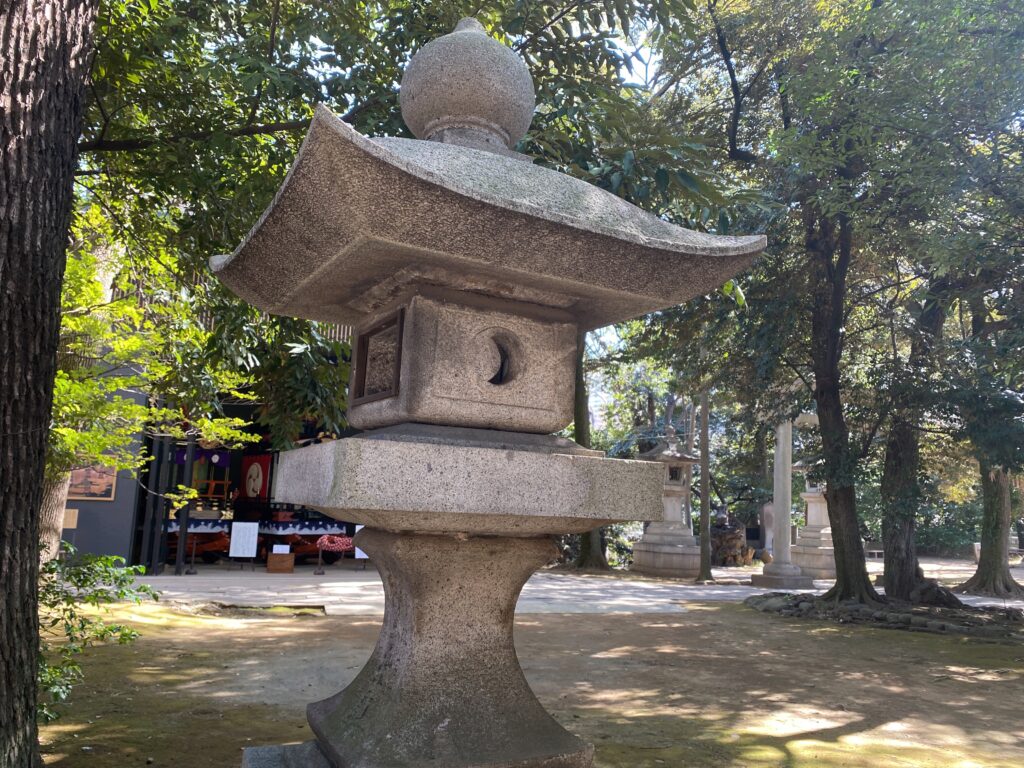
x=782, y=576
x=814, y=553
x=443, y=686
x=667, y=550
x=813, y=550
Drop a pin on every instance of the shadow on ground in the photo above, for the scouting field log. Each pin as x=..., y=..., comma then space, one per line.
x=719, y=685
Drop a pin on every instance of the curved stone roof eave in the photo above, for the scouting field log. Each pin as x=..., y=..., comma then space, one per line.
x=552, y=183
x=316, y=251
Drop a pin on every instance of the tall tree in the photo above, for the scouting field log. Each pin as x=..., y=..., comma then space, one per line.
x=993, y=415
x=900, y=485
x=44, y=53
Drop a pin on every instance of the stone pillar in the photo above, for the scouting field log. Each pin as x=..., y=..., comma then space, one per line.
x=813, y=551
x=443, y=686
x=782, y=493
x=781, y=573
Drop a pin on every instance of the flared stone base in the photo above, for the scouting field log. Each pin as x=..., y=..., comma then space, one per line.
x=667, y=551
x=443, y=687
x=813, y=552
x=816, y=562
x=305, y=755
x=308, y=755
x=782, y=576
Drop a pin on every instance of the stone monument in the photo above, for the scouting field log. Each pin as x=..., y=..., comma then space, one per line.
x=468, y=273
x=813, y=550
x=669, y=548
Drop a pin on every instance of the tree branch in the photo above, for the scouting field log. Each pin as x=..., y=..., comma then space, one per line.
x=735, y=152
x=275, y=16
x=131, y=145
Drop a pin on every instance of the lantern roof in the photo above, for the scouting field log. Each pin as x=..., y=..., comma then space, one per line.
x=360, y=223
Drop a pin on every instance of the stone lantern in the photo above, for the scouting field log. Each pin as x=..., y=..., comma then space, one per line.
x=813, y=551
x=668, y=547
x=468, y=273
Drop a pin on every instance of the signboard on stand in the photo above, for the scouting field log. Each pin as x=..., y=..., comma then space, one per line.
x=244, y=540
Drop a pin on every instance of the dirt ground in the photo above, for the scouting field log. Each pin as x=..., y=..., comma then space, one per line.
x=719, y=685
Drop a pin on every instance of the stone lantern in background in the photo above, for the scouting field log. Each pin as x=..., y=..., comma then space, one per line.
x=469, y=273
x=668, y=547
x=813, y=551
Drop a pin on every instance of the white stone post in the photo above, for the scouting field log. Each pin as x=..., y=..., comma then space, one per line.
x=782, y=494
x=780, y=573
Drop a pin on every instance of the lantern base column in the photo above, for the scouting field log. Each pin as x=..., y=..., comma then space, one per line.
x=443, y=686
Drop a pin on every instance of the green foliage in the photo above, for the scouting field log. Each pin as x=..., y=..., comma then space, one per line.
x=196, y=111
x=129, y=362
x=900, y=120
x=904, y=121
x=72, y=590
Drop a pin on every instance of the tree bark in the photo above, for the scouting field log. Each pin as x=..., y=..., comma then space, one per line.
x=705, y=492
x=901, y=498
x=43, y=67
x=51, y=514
x=691, y=428
x=901, y=475
x=830, y=251
x=592, y=554
x=993, y=574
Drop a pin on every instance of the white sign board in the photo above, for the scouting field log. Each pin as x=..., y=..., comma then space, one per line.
x=282, y=549
x=243, y=539
x=360, y=555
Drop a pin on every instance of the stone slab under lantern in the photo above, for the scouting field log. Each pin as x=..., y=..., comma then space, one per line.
x=813, y=551
x=481, y=482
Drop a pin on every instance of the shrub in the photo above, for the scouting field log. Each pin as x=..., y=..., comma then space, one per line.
x=69, y=586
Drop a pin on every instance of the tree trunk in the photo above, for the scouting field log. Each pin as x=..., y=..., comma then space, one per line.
x=993, y=575
x=901, y=485
x=691, y=428
x=51, y=514
x=901, y=498
x=829, y=271
x=43, y=54
x=592, y=554
x=705, y=492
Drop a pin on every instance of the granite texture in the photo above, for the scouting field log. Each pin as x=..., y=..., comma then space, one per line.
x=451, y=356
x=305, y=755
x=355, y=213
x=667, y=549
x=443, y=687
x=480, y=438
x=433, y=483
x=469, y=89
